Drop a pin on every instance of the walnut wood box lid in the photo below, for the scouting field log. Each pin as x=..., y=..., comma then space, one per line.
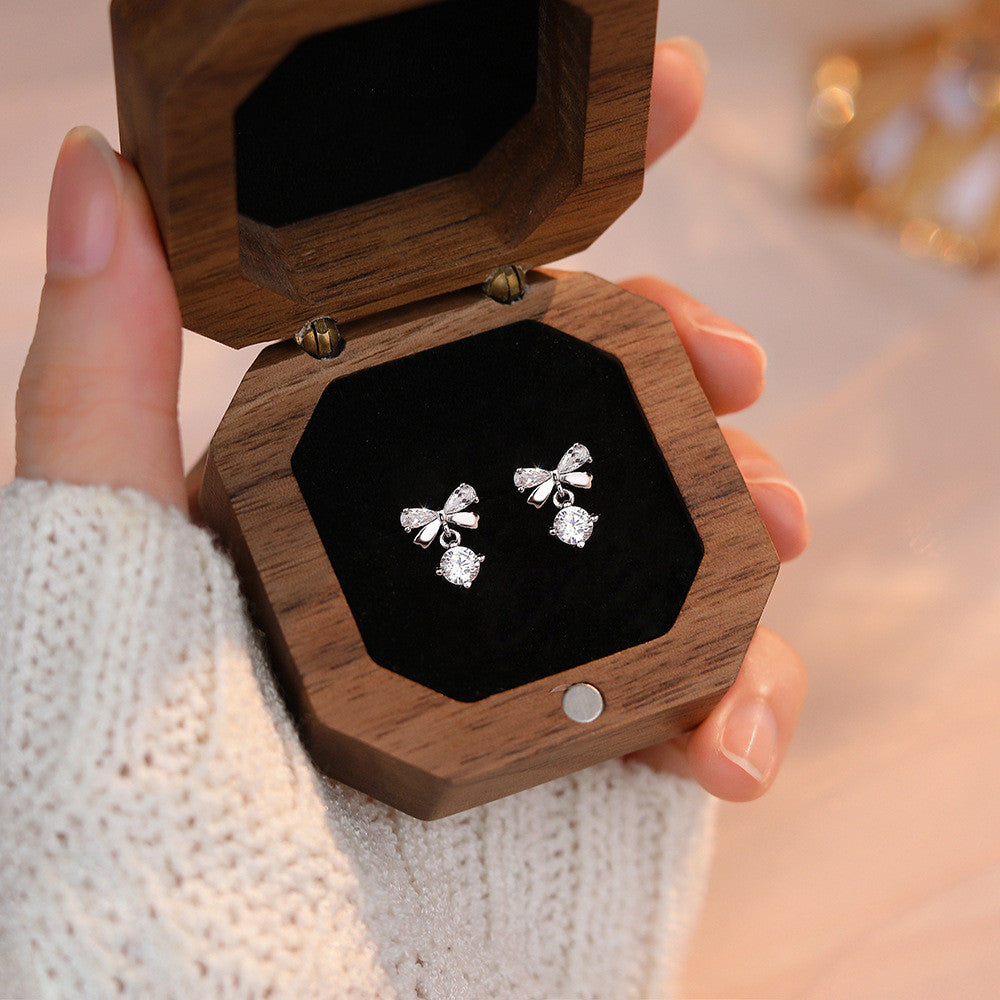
x=311, y=158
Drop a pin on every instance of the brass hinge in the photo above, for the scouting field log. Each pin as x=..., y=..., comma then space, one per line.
x=506, y=284
x=320, y=338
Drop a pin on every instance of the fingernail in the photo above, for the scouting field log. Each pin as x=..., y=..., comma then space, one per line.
x=750, y=738
x=760, y=472
x=83, y=205
x=694, y=50
x=715, y=326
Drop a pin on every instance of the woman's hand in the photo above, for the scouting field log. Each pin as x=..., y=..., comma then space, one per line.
x=737, y=751
x=97, y=403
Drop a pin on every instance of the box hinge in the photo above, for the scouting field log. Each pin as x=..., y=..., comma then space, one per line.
x=321, y=338
x=506, y=284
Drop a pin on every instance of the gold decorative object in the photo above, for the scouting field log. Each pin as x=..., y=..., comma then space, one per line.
x=911, y=135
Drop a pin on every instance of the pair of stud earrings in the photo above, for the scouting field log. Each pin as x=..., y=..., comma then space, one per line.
x=459, y=564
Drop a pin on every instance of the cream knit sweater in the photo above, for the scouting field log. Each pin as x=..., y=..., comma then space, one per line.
x=162, y=833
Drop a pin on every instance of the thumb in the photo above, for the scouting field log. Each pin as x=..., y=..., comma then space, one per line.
x=97, y=401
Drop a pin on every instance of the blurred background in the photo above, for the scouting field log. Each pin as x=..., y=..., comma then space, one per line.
x=873, y=867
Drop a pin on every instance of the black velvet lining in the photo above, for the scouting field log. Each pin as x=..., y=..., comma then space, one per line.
x=406, y=433
x=383, y=106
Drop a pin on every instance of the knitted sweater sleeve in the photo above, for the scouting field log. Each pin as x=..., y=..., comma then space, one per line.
x=162, y=833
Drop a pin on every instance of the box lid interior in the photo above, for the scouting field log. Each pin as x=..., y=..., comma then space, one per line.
x=308, y=159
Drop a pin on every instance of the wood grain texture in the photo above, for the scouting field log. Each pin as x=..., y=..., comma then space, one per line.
x=556, y=181
x=410, y=746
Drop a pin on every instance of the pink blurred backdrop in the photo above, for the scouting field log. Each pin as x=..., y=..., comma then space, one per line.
x=873, y=867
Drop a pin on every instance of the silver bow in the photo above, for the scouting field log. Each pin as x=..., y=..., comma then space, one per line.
x=543, y=481
x=432, y=521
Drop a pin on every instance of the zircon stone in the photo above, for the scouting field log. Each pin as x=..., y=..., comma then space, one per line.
x=573, y=525
x=416, y=517
x=460, y=566
x=575, y=456
x=525, y=479
x=460, y=498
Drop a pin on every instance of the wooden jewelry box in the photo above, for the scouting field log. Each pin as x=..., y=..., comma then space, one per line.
x=371, y=183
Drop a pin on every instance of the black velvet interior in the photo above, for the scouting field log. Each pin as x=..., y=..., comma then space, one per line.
x=406, y=433
x=382, y=106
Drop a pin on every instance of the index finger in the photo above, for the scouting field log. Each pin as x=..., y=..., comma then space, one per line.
x=679, y=68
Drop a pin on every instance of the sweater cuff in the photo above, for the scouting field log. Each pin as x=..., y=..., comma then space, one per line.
x=98, y=586
x=161, y=829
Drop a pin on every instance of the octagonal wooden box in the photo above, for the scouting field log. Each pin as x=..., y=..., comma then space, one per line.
x=383, y=164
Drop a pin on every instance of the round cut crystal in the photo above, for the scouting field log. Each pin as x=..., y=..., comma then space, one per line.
x=460, y=566
x=573, y=525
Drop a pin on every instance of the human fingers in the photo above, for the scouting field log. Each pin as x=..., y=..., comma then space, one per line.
x=735, y=754
x=728, y=362
x=97, y=401
x=730, y=366
x=781, y=506
x=679, y=68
